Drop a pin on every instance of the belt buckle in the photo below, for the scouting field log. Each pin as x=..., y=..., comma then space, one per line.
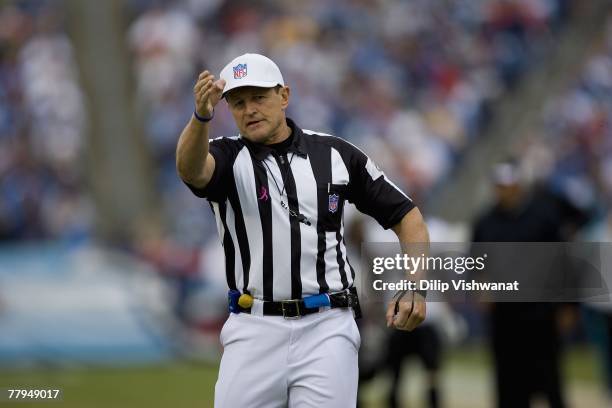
x=297, y=309
x=344, y=299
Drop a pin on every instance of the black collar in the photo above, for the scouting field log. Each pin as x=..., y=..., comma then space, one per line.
x=261, y=151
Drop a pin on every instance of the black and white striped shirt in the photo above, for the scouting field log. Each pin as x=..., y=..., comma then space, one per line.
x=271, y=254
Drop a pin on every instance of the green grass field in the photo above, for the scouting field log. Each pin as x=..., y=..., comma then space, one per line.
x=176, y=385
x=466, y=383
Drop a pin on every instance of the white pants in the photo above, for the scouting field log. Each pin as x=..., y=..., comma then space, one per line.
x=271, y=362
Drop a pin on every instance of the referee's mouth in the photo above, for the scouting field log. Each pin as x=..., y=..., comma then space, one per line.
x=253, y=123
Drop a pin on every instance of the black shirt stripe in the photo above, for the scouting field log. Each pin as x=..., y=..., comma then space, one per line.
x=349, y=263
x=340, y=260
x=320, y=159
x=296, y=247
x=228, y=249
x=241, y=235
x=265, y=215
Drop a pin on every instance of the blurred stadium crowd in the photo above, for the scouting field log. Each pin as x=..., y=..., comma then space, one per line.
x=573, y=151
x=43, y=192
x=412, y=82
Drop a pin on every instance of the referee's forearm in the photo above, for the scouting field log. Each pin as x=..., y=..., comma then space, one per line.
x=192, y=153
x=412, y=228
x=414, y=238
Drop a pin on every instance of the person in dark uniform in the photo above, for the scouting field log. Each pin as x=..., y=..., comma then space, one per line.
x=525, y=336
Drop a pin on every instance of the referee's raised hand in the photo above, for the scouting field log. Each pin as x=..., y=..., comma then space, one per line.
x=207, y=93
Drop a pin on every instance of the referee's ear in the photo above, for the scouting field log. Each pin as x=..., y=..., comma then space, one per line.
x=284, y=93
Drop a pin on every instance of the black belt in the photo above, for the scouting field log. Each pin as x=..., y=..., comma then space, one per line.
x=293, y=309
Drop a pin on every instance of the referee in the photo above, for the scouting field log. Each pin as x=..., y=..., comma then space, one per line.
x=277, y=192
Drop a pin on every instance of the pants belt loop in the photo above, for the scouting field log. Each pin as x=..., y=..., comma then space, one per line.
x=257, y=307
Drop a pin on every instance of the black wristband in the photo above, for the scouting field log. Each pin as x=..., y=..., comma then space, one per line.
x=422, y=293
x=202, y=119
x=397, y=297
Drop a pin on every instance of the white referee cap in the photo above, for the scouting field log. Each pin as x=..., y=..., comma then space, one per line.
x=251, y=70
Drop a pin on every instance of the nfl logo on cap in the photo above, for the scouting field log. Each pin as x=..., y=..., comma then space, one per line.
x=262, y=72
x=240, y=71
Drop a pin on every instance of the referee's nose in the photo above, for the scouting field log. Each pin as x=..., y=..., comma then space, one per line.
x=250, y=108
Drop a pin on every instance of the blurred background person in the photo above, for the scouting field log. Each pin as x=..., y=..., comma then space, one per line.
x=598, y=313
x=525, y=336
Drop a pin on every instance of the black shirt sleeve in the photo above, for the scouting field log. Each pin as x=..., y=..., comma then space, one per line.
x=224, y=150
x=371, y=192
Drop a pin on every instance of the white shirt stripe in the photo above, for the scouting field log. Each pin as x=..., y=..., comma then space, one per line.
x=347, y=267
x=230, y=218
x=332, y=272
x=245, y=185
x=340, y=174
x=281, y=233
x=307, y=199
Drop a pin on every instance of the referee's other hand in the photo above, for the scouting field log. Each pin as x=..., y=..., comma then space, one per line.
x=410, y=312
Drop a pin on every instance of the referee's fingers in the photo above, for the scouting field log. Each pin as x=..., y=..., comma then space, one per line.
x=404, y=311
x=390, y=313
x=416, y=317
x=202, y=82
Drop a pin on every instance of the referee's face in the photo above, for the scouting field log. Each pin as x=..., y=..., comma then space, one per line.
x=260, y=113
